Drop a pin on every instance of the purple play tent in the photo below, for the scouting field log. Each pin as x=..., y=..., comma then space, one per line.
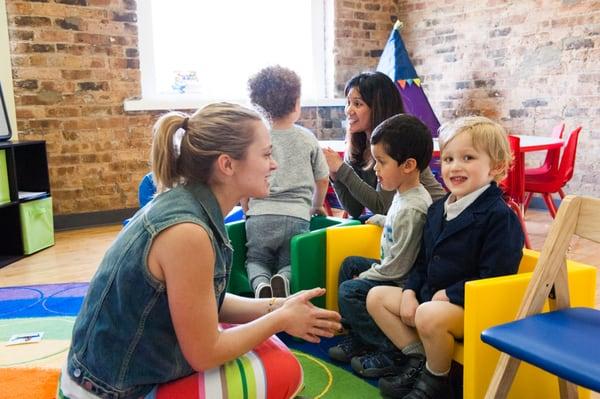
x=395, y=63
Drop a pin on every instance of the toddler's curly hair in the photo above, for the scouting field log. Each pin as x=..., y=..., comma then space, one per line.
x=276, y=90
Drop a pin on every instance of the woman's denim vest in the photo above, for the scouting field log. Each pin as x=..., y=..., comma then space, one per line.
x=124, y=342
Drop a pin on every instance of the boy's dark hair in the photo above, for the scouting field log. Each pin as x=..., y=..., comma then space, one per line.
x=276, y=90
x=404, y=136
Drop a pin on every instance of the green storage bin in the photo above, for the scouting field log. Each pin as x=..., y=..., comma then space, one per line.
x=4, y=189
x=37, y=225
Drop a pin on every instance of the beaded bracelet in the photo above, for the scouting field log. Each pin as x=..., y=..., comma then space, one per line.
x=271, y=303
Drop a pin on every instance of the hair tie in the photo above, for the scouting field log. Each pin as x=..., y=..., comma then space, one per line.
x=178, y=137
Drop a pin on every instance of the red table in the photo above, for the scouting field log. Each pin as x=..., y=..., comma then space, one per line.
x=539, y=143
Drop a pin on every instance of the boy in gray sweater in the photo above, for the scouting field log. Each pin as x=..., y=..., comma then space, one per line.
x=297, y=187
x=401, y=148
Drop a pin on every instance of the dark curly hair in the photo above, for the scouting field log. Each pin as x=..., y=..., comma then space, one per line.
x=276, y=90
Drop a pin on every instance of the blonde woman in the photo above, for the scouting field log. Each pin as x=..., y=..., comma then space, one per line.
x=150, y=323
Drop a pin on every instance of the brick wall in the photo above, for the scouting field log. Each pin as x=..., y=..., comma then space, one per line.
x=362, y=29
x=529, y=64
x=75, y=61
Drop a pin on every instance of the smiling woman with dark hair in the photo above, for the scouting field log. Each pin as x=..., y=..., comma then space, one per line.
x=371, y=98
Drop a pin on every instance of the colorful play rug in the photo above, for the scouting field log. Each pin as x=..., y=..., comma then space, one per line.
x=30, y=371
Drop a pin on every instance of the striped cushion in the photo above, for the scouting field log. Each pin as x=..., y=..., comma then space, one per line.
x=270, y=371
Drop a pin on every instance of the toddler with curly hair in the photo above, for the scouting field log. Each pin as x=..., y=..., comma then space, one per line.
x=297, y=187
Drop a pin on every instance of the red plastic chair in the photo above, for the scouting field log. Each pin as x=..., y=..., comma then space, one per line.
x=553, y=181
x=513, y=185
x=552, y=156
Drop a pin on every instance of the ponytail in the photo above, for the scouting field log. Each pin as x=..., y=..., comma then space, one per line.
x=164, y=157
x=185, y=147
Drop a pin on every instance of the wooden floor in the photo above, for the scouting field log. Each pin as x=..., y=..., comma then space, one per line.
x=77, y=253
x=74, y=258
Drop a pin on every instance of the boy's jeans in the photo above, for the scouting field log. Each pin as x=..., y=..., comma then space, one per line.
x=352, y=300
x=268, y=243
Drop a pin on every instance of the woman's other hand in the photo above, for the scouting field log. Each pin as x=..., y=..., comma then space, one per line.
x=308, y=321
x=334, y=161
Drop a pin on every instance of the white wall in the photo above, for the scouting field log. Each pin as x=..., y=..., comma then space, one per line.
x=6, y=69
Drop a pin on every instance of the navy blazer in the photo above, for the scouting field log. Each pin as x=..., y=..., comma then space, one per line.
x=485, y=240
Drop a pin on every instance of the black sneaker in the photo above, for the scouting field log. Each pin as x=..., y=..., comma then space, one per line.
x=399, y=385
x=429, y=386
x=280, y=286
x=377, y=364
x=346, y=350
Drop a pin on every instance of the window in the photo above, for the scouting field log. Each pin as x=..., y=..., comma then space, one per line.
x=202, y=51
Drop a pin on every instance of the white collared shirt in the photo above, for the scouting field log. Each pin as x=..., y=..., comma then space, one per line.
x=453, y=208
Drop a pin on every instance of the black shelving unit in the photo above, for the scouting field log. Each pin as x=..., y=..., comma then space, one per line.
x=27, y=171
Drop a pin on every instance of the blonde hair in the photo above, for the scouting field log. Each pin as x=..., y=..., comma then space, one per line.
x=220, y=128
x=486, y=135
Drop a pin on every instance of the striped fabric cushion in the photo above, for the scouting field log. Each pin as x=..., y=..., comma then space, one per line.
x=270, y=371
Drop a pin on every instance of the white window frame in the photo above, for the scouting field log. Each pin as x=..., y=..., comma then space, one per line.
x=150, y=100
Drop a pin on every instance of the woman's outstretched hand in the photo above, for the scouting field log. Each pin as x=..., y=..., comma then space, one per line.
x=307, y=321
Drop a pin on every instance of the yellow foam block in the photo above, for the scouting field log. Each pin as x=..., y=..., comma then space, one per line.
x=341, y=242
x=493, y=301
x=488, y=302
